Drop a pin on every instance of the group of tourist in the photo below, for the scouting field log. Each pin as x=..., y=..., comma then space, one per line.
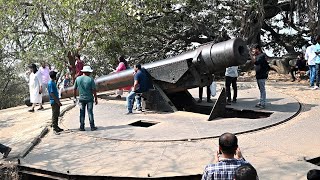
x=259, y=59
x=308, y=63
x=229, y=162
x=312, y=56
x=84, y=87
x=44, y=80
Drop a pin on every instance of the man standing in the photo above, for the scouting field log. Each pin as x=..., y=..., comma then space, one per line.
x=231, y=78
x=140, y=85
x=310, y=56
x=317, y=60
x=201, y=95
x=35, y=87
x=54, y=101
x=5, y=150
x=87, y=95
x=262, y=69
x=226, y=160
x=44, y=71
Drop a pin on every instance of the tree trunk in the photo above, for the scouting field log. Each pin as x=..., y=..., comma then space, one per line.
x=318, y=25
x=312, y=4
x=72, y=65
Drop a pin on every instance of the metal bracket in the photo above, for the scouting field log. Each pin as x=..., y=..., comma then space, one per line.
x=170, y=73
x=157, y=100
x=219, y=106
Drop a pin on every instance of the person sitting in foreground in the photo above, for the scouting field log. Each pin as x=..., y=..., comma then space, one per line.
x=227, y=159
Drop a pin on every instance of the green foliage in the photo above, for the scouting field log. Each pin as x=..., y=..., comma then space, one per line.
x=142, y=30
x=13, y=88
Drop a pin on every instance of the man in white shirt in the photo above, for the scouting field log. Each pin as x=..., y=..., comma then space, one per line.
x=317, y=60
x=44, y=71
x=310, y=56
x=231, y=78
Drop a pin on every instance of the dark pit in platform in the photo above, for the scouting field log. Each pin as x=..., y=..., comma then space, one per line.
x=315, y=161
x=249, y=114
x=234, y=113
x=143, y=123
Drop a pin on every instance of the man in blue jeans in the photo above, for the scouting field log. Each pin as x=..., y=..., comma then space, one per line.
x=317, y=60
x=262, y=69
x=140, y=85
x=87, y=95
x=310, y=56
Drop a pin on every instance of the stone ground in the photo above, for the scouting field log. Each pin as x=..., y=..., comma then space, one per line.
x=19, y=127
x=277, y=153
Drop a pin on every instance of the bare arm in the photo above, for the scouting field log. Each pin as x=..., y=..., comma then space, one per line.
x=75, y=92
x=95, y=96
x=216, y=157
x=238, y=154
x=135, y=85
x=40, y=82
x=56, y=100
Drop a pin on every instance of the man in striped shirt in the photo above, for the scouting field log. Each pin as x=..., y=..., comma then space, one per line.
x=227, y=159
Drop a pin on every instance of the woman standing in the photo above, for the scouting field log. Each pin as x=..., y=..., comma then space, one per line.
x=35, y=87
x=123, y=65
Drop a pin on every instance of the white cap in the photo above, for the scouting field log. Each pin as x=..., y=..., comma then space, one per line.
x=86, y=69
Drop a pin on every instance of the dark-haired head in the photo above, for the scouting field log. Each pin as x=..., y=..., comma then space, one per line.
x=300, y=55
x=245, y=172
x=256, y=46
x=228, y=143
x=43, y=64
x=121, y=58
x=256, y=49
x=313, y=40
x=313, y=174
x=317, y=38
x=53, y=75
x=77, y=56
x=138, y=66
x=33, y=68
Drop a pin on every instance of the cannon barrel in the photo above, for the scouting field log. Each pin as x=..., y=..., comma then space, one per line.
x=187, y=70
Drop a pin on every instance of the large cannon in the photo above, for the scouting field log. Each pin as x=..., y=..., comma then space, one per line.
x=173, y=76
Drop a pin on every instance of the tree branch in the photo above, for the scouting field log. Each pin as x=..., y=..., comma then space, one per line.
x=44, y=21
x=289, y=48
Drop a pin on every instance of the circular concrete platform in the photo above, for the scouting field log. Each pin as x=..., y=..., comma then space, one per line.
x=178, y=126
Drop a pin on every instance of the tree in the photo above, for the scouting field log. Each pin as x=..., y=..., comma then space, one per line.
x=145, y=30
